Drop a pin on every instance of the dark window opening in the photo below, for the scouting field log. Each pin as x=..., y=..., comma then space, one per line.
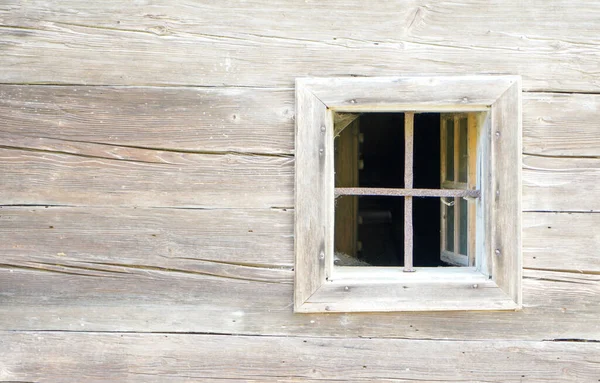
x=370, y=153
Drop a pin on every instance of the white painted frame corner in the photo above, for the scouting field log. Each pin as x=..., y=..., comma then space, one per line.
x=495, y=283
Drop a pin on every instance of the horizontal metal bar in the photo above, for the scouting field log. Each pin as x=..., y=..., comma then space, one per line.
x=408, y=192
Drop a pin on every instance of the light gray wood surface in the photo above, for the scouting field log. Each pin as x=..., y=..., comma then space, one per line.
x=313, y=190
x=90, y=357
x=144, y=236
x=202, y=119
x=414, y=93
x=504, y=192
x=561, y=184
x=42, y=171
x=219, y=120
x=53, y=172
x=214, y=119
x=561, y=124
x=552, y=44
x=186, y=239
x=41, y=293
x=562, y=241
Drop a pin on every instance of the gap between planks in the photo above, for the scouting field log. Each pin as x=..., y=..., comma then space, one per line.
x=303, y=336
x=234, y=86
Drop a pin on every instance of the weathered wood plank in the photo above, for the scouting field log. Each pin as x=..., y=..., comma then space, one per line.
x=556, y=306
x=242, y=120
x=55, y=357
x=561, y=184
x=314, y=203
x=562, y=241
x=54, y=172
x=159, y=237
x=502, y=192
x=561, y=124
x=142, y=44
x=93, y=174
x=192, y=119
x=187, y=240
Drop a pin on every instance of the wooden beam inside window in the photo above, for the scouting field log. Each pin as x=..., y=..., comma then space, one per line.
x=408, y=184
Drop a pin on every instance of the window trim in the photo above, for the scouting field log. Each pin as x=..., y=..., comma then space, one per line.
x=494, y=284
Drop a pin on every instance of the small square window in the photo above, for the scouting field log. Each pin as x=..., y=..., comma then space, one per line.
x=451, y=150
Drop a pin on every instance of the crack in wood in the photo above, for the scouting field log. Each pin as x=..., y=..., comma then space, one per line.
x=558, y=270
x=79, y=155
x=560, y=156
x=149, y=148
x=191, y=272
x=241, y=264
x=575, y=340
x=40, y=269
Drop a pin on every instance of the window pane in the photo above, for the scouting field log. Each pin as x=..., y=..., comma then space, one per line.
x=450, y=149
x=463, y=152
x=450, y=225
x=464, y=226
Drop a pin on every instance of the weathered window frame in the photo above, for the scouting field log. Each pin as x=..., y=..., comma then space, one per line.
x=495, y=283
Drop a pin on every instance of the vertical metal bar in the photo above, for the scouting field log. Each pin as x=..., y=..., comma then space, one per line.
x=443, y=145
x=409, y=118
x=456, y=179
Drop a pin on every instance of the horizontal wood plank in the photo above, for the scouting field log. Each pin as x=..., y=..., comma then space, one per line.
x=36, y=296
x=56, y=357
x=189, y=240
x=50, y=172
x=249, y=120
x=164, y=237
x=561, y=184
x=241, y=119
x=562, y=241
x=54, y=172
x=561, y=124
x=145, y=44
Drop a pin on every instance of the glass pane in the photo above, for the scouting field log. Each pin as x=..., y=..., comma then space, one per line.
x=450, y=149
x=450, y=225
x=464, y=226
x=463, y=152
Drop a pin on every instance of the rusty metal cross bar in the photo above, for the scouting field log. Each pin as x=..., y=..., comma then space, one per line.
x=393, y=192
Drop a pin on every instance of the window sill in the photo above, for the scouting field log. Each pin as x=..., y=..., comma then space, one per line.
x=369, y=289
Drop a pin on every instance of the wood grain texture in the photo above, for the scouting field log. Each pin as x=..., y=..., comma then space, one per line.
x=54, y=357
x=313, y=187
x=561, y=184
x=505, y=186
x=369, y=289
x=418, y=93
x=56, y=172
x=562, y=241
x=182, y=239
x=96, y=297
x=552, y=241
x=240, y=119
x=248, y=120
x=48, y=172
x=561, y=124
x=553, y=45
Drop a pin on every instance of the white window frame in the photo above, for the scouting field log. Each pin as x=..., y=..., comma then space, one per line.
x=494, y=283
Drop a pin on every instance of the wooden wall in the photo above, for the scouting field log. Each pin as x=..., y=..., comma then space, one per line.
x=146, y=190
